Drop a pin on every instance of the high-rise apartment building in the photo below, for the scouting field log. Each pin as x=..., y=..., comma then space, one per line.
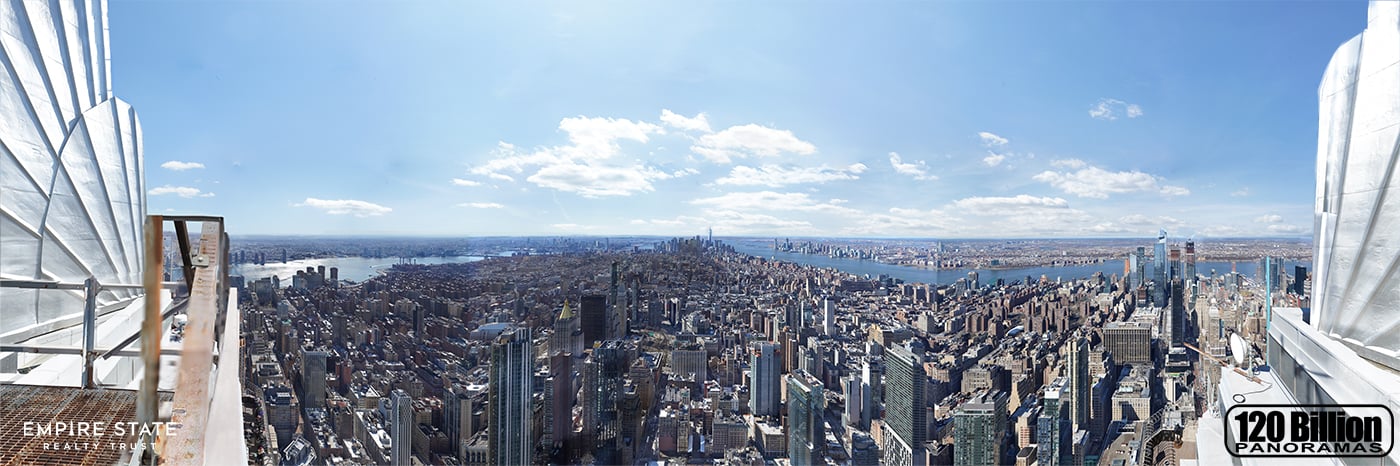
x=806, y=427
x=979, y=428
x=400, y=427
x=765, y=375
x=1052, y=427
x=905, y=413
x=510, y=409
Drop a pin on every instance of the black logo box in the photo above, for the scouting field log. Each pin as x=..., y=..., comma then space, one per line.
x=1230, y=448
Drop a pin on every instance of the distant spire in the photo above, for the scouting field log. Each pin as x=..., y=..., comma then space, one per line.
x=566, y=313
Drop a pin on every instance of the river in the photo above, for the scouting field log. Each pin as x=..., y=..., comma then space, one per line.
x=351, y=268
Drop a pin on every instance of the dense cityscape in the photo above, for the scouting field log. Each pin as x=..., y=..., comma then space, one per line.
x=683, y=350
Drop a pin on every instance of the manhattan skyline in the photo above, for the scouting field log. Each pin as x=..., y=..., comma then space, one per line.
x=888, y=120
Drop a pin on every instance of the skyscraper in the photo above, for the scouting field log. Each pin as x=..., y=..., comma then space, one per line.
x=765, y=395
x=1077, y=366
x=510, y=411
x=905, y=412
x=568, y=335
x=806, y=428
x=1130, y=342
x=602, y=388
x=1052, y=427
x=313, y=379
x=617, y=309
x=828, y=317
x=1159, y=270
x=400, y=427
x=979, y=427
x=560, y=399
x=594, y=319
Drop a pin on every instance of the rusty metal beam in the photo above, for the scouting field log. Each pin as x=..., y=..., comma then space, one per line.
x=147, y=405
x=192, y=391
x=182, y=236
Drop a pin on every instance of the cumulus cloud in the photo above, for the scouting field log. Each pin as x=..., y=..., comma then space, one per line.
x=481, y=205
x=1286, y=229
x=1271, y=218
x=462, y=182
x=182, y=191
x=1097, y=183
x=991, y=140
x=587, y=165
x=750, y=141
x=993, y=159
x=698, y=123
x=179, y=166
x=992, y=205
x=346, y=207
x=1068, y=163
x=1111, y=109
x=916, y=169
x=774, y=176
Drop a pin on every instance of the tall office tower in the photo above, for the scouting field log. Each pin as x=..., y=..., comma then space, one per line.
x=1140, y=267
x=828, y=317
x=1159, y=270
x=806, y=427
x=854, y=391
x=979, y=428
x=568, y=335
x=1300, y=274
x=400, y=427
x=1190, y=259
x=457, y=416
x=594, y=319
x=1174, y=264
x=765, y=375
x=559, y=395
x=617, y=310
x=905, y=412
x=1077, y=364
x=1052, y=428
x=510, y=437
x=1130, y=342
x=602, y=388
x=871, y=378
x=1177, y=313
x=313, y=378
x=419, y=321
x=972, y=282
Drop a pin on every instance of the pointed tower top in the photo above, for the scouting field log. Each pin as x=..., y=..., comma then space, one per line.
x=566, y=313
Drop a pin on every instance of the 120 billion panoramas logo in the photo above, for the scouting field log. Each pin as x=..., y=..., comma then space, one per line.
x=1309, y=430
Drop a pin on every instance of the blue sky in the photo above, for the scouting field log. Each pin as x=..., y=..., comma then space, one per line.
x=924, y=119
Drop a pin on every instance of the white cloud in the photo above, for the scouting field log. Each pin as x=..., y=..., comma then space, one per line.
x=177, y=165
x=462, y=182
x=585, y=166
x=999, y=205
x=774, y=176
x=992, y=140
x=1146, y=221
x=1286, y=229
x=1110, y=109
x=1068, y=163
x=916, y=169
x=182, y=191
x=481, y=205
x=1097, y=183
x=699, y=123
x=346, y=207
x=768, y=201
x=1242, y=192
x=993, y=159
x=750, y=141
x=1271, y=218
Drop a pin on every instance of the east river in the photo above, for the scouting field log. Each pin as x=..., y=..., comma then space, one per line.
x=350, y=268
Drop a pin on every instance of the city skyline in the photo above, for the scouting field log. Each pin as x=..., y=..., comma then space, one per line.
x=951, y=120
